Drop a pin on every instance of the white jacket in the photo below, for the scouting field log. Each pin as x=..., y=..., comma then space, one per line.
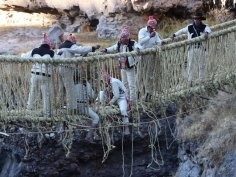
x=118, y=90
x=125, y=48
x=84, y=92
x=74, y=49
x=186, y=31
x=146, y=41
x=39, y=67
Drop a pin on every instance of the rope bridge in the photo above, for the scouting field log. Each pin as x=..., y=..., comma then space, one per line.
x=170, y=82
x=169, y=64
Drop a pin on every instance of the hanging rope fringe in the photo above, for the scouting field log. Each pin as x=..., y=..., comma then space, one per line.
x=169, y=83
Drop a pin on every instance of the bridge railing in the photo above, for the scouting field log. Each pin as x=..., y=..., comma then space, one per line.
x=169, y=73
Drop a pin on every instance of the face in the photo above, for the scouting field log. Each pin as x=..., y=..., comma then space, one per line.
x=61, y=37
x=123, y=40
x=197, y=21
x=150, y=29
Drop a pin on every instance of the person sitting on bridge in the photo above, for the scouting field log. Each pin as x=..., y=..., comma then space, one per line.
x=126, y=64
x=41, y=77
x=115, y=92
x=68, y=49
x=196, y=52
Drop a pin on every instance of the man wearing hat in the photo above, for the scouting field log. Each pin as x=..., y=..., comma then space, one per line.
x=126, y=64
x=148, y=38
x=196, y=52
x=41, y=76
x=68, y=49
x=115, y=93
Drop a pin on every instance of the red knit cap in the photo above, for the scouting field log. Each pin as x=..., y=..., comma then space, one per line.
x=105, y=75
x=152, y=22
x=46, y=40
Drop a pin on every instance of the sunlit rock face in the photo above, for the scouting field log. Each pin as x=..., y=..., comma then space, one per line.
x=104, y=16
x=14, y=18
x=164, y=5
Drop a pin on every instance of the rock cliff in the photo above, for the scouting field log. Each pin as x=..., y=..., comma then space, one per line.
x=105, y=16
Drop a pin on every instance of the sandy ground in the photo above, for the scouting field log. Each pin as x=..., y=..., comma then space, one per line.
x=18, y=40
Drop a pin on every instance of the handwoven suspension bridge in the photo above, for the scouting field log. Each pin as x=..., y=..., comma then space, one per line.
x=169, y=80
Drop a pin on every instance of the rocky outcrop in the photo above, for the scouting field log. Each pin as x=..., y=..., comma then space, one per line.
x=105, y=16
x=207, y=143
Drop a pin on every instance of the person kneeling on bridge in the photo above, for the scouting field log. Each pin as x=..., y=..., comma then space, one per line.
x=115, y=92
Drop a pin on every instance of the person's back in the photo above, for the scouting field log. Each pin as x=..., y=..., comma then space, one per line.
x=43, y=51
x=41, y=77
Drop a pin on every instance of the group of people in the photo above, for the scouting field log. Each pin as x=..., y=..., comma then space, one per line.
x=122, y=92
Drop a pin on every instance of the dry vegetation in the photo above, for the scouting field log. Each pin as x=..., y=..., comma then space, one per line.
x=166, y=27
x=215, y=128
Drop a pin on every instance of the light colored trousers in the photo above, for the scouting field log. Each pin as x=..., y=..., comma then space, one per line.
x=122, y=103
x=128, y=78
x=144, y=74
x=44, y=83
x=84, y=109
x=196, y=63
x=66, y=75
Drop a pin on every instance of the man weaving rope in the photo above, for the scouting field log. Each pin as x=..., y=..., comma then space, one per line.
x=68, y=49
x=115, y=92
x=126, y=64
x=148, y=38
x=196, y=52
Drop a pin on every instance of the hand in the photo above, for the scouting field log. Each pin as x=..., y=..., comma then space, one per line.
x=59, y=53
x=97, y=47
x=138, y=50
x=104, y=50
x=153, y=34
x=206, y=35
x=173, y=37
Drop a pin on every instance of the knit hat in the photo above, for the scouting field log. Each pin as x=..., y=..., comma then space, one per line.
x=151, y=22
x=71, y=38
x=199, y=16
x=125, y=34
x=46, y=40
x=105, y=76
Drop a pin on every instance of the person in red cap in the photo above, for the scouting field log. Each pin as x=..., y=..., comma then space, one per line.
x=115, y=93
x=126, y=64
x=148, y=38
x=68, y=49
x=196, y=52
x=41, y=73
x=41, y=77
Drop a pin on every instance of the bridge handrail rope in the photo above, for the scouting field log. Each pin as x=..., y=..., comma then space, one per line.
x=165, y=84
x=214, y=28
x=169, y=84
x=78, y=60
